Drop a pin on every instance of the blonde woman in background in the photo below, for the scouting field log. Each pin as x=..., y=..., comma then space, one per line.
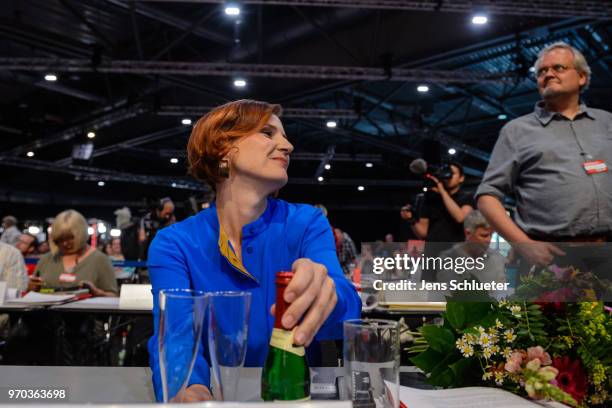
x=71, y=261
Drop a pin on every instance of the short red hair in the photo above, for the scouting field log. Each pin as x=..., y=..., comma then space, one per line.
x=214, y=134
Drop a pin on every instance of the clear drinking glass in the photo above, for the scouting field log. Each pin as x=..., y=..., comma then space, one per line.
x=181, y=317
x=372, y=361
x=227, y=340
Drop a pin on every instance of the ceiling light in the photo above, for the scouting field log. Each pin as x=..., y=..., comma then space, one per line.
x=101, y=183
x=173, y=184
x=51, y=77
x=30, y=154
x=331, y=124
x=101, y=228
x=452, y=151
x=91, y=135
x=425, y=189
x=369, y=165
x=327, y=166
x=423, y=88
x=532, y=69
x=502, y=116
x=239, y=83
x=115, y=232
x=360, y=188
x=174, y=160
x=33, y=230
x=232, y=10
x=186, y=121
x=320, y=178
x=479, y=19
x=90, y=230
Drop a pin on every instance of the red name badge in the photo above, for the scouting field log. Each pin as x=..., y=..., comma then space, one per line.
x=595, y=166
x=67, y=277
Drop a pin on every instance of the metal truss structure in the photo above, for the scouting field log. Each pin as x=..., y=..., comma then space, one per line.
x=540, y=8
x=88, y=173
x=251, y=70
x=172, y=110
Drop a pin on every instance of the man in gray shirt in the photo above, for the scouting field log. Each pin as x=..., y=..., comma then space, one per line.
x=554, y=162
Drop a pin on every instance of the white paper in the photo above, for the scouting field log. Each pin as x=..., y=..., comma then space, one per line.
x=469, y=397
x=136, y=297
x=98, y=301
x=34, y=298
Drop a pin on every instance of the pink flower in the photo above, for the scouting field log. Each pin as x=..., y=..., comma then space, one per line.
x=513, y=364
x=539, y=353
x=563, y=274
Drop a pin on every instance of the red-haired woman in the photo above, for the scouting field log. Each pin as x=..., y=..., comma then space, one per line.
x=240, y=149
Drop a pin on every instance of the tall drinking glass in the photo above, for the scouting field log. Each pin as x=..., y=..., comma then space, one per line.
x=181, y=317
x=372, y=361
x=227, y=340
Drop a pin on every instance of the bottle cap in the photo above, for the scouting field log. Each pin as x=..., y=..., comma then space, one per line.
x=283, y=278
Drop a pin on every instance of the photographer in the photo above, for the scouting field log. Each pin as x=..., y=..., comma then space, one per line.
x=444, y=210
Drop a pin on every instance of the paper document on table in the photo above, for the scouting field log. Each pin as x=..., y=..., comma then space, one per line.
x=469, y=397
x=35, y=298
x=99, y=301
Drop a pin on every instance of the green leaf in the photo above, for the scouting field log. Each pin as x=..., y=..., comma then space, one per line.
x=463, y=370
x=455, y=314
x=427, y=360
x=440, y=339
x=443, y=377
x=476, y=312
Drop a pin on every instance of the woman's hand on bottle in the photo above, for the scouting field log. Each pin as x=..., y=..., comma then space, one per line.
x=312, y=295
x=35, y=283
x=193, y=393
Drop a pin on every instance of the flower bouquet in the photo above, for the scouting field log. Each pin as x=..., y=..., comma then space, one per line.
x=541, y=350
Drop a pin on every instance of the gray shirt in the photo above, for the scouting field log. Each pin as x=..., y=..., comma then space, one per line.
x=538, y=160
x=10, y=235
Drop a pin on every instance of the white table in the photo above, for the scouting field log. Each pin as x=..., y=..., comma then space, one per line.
x=125, y=385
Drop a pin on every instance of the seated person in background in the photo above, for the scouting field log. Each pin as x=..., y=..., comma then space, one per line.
x=26, y=244
x=345, y=250
x=42, y=248
x=72, y=262
x=11, y=233
x=12, y=267
x=478, y=234
x=115, y=254
x=246, y=236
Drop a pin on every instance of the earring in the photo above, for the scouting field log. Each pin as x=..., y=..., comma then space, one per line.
x=224, y=169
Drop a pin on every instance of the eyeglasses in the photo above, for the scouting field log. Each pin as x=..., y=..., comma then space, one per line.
x=65, y=238
x=557, y=68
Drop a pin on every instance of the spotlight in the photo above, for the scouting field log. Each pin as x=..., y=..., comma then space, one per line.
x=90, y=230
x=479, y=19
x=232, y=10
x=369, y=165
x=240, y=83
x=331, y=124
x=327, y=166
x=360, y=188
x=320, y=178
x=30, y=154
x=425, y=189
x=101, y=184
x=115, y=232
x=452, y=151
x=174, y=160
x=174, y=185
x=422, y=88
x=33, y=230
x=186, y=121
x=101, y=228
x=51, y=77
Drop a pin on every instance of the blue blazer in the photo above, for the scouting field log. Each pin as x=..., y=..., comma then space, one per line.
x=186, y=255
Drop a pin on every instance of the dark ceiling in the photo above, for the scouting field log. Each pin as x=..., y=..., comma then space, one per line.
x=132, y=70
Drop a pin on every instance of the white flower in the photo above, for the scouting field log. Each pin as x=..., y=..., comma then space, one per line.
x=467, y=351
x=498, y=324
x=499, y=377
x=509, y=335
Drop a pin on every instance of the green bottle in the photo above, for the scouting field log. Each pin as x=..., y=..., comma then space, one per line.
x=285, y=376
